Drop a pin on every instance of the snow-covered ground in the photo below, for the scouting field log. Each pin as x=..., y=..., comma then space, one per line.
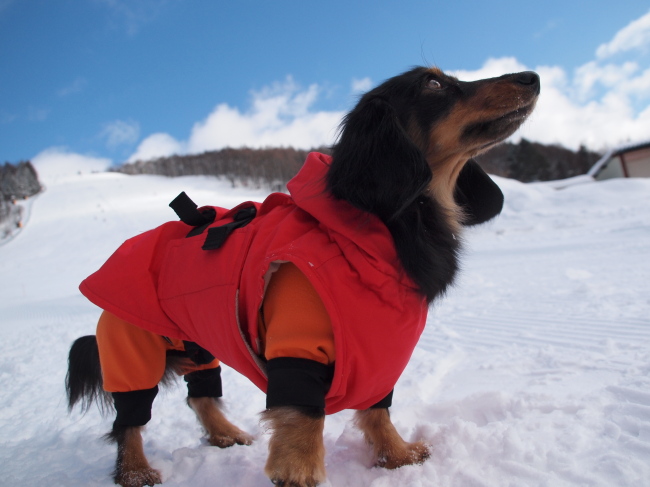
x=533, y=371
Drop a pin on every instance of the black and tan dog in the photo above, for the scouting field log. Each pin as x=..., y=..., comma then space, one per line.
x=402, y=180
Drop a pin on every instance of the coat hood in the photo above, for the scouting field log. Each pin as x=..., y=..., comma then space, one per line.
x=344, y=221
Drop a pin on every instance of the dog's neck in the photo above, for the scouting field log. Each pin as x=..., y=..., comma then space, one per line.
x=442, y=188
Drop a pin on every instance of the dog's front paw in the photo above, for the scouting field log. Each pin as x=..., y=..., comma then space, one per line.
x=295, y=464
x=286, y=475
x=296, y=450
x=295, y=483
x=295, y=467
x=235, y=436
x=138, y=478
x=405, y=454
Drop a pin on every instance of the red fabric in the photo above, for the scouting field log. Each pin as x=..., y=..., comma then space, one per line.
x=163, y=282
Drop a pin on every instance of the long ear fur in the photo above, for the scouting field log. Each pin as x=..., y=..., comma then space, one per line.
x=480, y=198
x=375, y=166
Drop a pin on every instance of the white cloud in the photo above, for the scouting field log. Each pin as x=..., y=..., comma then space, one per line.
x=610, y=76
x=75, y=87
x=280, y=115
x=594, y=106
x=636, y=35
x=490, y=69
x=600, y=104
x=565, y=115
x=639, y=86
x=133, y=15
x=155, y=146
x=549, y=27
x=58, y=163
x=361, y=85
x=119, y=133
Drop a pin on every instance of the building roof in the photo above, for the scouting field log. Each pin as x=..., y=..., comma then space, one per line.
x=622, y=149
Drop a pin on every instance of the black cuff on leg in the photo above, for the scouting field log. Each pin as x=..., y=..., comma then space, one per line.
x=298, y=382
x=134, y=407
x=204, y=383
x=385, y=402
x=197, y=354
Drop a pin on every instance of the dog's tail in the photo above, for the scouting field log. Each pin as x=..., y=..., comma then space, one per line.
x=83, y=382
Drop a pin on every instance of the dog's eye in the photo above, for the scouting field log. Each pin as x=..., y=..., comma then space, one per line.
x=433, y=84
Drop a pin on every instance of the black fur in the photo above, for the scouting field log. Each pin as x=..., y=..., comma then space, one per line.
x=384, y=158
x=378, y=167
x=479, y=197
x=83, y=382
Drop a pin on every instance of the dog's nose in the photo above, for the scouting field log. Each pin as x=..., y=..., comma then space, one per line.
x=528, y=78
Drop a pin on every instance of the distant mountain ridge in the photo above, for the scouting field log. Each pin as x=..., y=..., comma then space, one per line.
x=531, y=161
x=525, y=161
x=272, y=168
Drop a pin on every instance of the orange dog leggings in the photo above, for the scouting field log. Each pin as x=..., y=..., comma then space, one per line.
x=292, y=323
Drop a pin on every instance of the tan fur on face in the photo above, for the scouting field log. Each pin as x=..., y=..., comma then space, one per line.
x=221, y=432
x=296, y=451
x=390, y=450
x=447, y=152
x=132, y=469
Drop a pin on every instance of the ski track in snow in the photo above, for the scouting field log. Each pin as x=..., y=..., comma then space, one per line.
x=534, y=370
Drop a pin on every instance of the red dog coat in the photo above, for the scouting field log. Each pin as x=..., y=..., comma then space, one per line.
x=167, y=284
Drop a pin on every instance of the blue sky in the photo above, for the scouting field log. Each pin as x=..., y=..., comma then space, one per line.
x=116, y=80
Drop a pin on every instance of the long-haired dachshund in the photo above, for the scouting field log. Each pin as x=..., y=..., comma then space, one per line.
x=343, y=271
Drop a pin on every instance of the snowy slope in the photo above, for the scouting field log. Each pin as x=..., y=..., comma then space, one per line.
x=533, y=371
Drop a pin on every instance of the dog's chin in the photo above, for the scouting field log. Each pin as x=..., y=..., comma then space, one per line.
x=486, y=134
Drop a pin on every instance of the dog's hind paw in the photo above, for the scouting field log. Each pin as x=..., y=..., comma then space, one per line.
x=138, y=478
x=221, y=432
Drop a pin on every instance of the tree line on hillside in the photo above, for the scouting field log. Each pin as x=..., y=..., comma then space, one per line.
x=530, y=161
x=271, y=168
x=17, y=182
x=525, y=161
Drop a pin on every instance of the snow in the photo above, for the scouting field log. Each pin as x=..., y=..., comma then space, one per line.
x=533, y=371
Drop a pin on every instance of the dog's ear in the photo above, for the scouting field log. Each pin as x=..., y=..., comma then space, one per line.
x=375, y=165
x=479, y=197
